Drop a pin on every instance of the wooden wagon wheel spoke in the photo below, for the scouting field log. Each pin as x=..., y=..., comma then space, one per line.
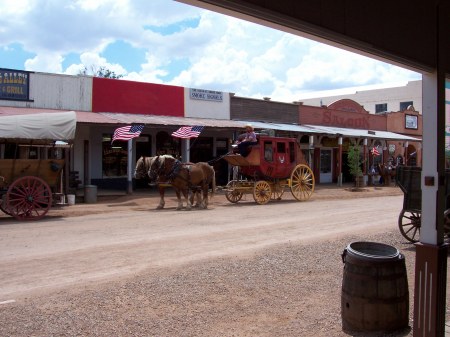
x=28, y=198
x=302, y=182
x=262, y=192
x=277, y=191
x=231, y=193
x=409, y=223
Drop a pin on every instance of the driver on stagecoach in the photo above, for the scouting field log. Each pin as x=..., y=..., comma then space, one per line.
x=246, y=139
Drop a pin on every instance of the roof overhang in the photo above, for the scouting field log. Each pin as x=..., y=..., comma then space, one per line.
x=359, y=133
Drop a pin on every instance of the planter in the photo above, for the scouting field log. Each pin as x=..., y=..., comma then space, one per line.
x=360, y=181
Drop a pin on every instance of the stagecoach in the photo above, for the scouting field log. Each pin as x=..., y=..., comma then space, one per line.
x=408, y=178
x=30, y=180
x=273, y=165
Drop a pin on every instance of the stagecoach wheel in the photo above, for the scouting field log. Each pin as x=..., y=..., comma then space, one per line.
x=277, y=192
x=262, y=192
x=231, y=193
x=409, y=224
x=28, y=198
x=302, y=182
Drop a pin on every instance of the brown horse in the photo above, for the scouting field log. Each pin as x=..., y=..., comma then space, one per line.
x=387, y=171
x=184, y=177
x=142, y=171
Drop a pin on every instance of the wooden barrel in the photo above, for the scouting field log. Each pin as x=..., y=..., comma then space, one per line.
x=375, y=295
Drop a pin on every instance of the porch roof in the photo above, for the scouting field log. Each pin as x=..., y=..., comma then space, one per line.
x=359, y=133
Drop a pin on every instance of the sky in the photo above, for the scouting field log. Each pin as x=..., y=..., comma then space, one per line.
x=167, y=42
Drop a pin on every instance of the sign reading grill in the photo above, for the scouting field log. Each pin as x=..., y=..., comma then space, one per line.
x=14, y=84
x=206, y=95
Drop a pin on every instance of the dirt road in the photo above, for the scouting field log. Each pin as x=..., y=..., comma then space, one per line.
x=121, y=268
x=61, y=251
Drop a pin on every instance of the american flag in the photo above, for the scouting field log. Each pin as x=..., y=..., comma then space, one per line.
x=127, y=132
x=188, y=131
x=375, y=152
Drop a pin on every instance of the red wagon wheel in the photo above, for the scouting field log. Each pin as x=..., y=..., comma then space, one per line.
x=28, y=198
x=302, y=182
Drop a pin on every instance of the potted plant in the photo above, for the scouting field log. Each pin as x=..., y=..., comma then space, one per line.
x=354, y=163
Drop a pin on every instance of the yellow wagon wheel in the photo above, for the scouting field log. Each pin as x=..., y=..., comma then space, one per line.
x=277, y=191
x=231, y=193
x=302, y=182
x=262, y=192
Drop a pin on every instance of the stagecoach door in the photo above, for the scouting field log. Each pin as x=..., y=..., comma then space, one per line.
x=326, y=159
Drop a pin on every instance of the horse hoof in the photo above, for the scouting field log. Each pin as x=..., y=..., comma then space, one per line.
x=159, y=207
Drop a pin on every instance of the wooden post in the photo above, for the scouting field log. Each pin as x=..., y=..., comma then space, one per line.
x=340, y=161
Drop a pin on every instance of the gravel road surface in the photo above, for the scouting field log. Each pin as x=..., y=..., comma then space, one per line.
x=122, y=268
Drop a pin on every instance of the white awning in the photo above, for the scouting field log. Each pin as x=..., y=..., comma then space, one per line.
x=282, y=127
x=375, y=134
x=39, y=126
x=158, y=120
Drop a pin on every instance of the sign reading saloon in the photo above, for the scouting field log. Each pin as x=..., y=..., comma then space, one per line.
x=14, y=84
x=206, y=95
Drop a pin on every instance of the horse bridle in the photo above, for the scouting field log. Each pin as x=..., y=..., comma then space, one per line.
x=161, y=169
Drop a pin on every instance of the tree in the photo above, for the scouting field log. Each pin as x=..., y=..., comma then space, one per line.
x=354, y=163
x=101, y=72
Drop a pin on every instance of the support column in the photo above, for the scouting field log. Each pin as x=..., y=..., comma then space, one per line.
x=130, y=167
x=310, y=152
x=340, y=161
x=365, y=156
x=185, y=147
x=431, y=253
x=429, y=290
x=405, y=153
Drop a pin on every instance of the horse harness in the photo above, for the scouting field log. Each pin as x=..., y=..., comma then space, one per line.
x=174, y=171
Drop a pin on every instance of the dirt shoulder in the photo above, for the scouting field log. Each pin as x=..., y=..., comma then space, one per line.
x=117, y=200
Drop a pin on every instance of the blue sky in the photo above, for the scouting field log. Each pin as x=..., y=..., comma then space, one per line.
x=162, y=41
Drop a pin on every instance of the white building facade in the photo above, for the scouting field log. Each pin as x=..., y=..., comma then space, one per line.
x=375, y=100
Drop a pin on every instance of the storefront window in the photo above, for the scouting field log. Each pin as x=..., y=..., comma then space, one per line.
x=114, y=158
x=377, y=158
x=166, y=144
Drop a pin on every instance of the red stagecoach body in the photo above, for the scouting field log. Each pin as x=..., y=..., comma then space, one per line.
x=271, y=165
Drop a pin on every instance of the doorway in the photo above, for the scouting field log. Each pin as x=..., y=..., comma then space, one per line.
x=326, y=159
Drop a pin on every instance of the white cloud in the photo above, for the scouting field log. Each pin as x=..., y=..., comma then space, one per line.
x=221, y=53
x=93, y=62
x=50, y=62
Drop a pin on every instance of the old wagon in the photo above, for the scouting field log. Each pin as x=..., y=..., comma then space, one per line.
x=408, y=178
x=31, y=162
x=273, y=165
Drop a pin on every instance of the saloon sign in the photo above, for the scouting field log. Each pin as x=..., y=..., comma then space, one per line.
x=14, y=85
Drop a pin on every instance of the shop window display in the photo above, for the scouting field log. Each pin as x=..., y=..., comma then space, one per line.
x=114, y=157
